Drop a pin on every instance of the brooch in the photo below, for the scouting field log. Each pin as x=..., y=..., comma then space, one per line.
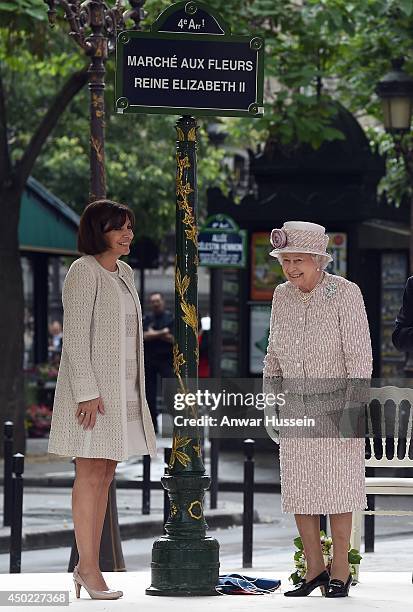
x=330, y=290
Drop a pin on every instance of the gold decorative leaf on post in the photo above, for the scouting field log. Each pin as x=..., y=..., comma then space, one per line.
x=97, y=104
x=192, y=134
x=185, y=284
x=183, y=163
x=192, y=234
x=188, y=218
x=95, y=100
x=182, y=284
x=179, y=455
x=178, y=360
x=190, y=317
x=98, y=148
x=182, y=192
x=180, y=133
x=190, y=314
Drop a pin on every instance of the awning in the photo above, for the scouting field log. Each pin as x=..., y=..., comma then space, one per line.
x=47, y=225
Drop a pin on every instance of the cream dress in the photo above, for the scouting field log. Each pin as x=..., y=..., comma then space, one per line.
x=93, y=365
x=136, y=442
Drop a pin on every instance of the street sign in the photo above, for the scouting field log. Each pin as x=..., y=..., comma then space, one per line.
x=189, y=64
x=222, y=244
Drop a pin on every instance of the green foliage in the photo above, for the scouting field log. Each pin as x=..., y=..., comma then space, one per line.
x=295, y=577
x=395, y=185
x=316, y=51
x=354, y=556
x=21, y=13
x=326, y=543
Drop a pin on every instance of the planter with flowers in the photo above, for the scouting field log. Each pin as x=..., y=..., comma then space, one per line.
x=40, y=383
x=37, y=421
x=354, y=557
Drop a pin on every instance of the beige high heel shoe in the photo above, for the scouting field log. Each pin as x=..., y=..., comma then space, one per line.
x=93, y=593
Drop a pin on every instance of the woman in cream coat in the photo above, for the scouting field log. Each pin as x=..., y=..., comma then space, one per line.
x=319, y=352
x=100, y=413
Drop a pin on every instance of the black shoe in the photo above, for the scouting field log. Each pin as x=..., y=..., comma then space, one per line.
x=304, y=588
x=337, y=588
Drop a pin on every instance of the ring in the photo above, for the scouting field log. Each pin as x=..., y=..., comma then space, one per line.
x=82, y=413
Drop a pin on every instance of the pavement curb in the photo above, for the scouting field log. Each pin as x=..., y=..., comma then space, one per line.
x=151, y=525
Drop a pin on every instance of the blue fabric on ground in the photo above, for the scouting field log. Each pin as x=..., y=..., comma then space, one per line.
x=239, y=584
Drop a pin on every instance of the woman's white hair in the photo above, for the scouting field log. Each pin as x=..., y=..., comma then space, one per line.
x=320, y=260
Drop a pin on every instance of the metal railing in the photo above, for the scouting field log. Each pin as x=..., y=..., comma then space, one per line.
x=13, y=494
x=13, y=497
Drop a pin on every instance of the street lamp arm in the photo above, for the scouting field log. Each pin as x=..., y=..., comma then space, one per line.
x=79, y=17
x=72, y=12
x=136, y=13
x=74, y=20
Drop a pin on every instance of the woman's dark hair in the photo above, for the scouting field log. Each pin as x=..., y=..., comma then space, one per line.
x=98, y=218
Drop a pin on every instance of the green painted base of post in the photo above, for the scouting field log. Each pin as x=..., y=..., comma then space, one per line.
x=185, y=561
x=184, y=568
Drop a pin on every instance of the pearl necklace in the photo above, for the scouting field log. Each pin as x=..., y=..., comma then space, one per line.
x=306, y=296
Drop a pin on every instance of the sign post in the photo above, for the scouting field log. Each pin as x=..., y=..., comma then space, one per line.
x=188, y=65
x=222, y=244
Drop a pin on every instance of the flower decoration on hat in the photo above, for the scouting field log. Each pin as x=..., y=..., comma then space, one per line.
x=278, y=238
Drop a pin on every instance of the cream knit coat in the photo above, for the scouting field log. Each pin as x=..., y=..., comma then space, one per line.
x=93, y=364
x=319, y=352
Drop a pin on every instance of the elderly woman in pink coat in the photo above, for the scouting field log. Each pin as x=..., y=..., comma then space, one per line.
x=319, y=341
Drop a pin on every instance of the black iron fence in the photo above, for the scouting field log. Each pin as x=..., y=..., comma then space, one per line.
x=13, y=495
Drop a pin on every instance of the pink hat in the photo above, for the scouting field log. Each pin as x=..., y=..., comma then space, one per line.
x=300, y=237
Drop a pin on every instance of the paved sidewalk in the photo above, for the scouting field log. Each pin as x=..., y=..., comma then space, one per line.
x=47, y=511
x=377, y=591
x=47, y=520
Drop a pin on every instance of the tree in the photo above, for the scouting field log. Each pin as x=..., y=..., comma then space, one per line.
x=16, y=164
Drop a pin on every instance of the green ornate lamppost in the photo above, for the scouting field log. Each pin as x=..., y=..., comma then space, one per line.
x=185, y=561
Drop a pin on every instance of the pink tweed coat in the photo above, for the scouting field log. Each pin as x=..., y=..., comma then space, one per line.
x=319, y=346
